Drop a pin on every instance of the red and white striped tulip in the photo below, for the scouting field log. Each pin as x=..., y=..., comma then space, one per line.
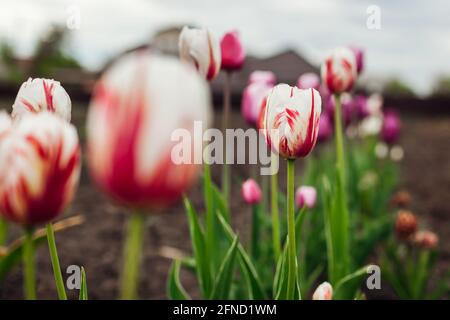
x=308, y=80
x=338, y=71
x=201, y=49
x=291, y=120
x=233, y=53
x=42, y=95
x=251, y=192
x=252, y=99
x=39, y=169
x=323, y=292
x=260, y=76
x=137, y=105
x=359, y=58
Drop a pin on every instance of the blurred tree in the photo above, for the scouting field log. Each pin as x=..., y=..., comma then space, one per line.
x=50, y=56
x=8, y=61
x=441, y=86
x=396, y=87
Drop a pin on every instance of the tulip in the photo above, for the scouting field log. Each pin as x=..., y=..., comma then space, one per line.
x=309, y=80
x=360, y=104
x=323, y=292
x=401, y=198
x=42, y=157
x=359, y=58
x=233, y=54
x=325, y=128
x=305, y=196
x=291, y=125
x=405, y=224
x=201, y=49
x=374, y=104
x=391, y=127
x=133, y=113
x=251, y=192
x=339, y=71
x=39, y=95
x=252, y=99
x=426, y=239
x=293, y=115
x=347, y=105
x=258, y=76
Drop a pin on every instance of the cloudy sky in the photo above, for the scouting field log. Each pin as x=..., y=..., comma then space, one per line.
x=413, y=42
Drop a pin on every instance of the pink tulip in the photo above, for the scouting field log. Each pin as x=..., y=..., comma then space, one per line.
x=360, y=104
x=252, y=99
x=39, y=169
x=266, y=77
x=359, y=58
x=305, y=195
x=309, y=80
x=426, y=239
x=323, y=292
x=138, y=104
x=251, y=192
x=346, y=104
x=339, y=71
x=291, y=120
x=325, y=128
x=391, y=127
x=233, y=54
x=201, y=49
x=39, y=95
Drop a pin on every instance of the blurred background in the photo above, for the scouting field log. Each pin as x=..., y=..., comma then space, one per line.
x=407, y=60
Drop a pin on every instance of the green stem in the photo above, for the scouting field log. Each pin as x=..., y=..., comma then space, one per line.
x=256, y=227
x=132, y=256
x=275, y=214
x=55, y=263
x=226, y=114
x=292, y=256
x=342, y=218
x=28, y=266
x=3, y=231
x=210, y=224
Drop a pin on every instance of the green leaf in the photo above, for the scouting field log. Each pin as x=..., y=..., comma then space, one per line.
x=219, y=202
x=255, y=287
x=199, y=248
x=174, y=287
x=221, y=290
x=83, y=290
x=348, y=278
x=281, y=276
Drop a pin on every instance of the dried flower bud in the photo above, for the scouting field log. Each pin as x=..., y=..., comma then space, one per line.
x=406, y=224
x=401, y=199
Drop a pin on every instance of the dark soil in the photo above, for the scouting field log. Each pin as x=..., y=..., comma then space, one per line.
x=97, y=244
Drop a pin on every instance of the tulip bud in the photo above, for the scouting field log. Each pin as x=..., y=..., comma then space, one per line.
x=339, y=71
x=426, y=239
x=305, y=195
x=323, y=292
x=291, y=120
x=391, y=127
x=39, y=169
x=258, y=76
x=406, y=224
x=39, y=95
x=325, y=128
x=401, y=199
x=5, y=122
x=308, y=80
x=251, y=192
x=252, y=99
x=233, y=54
x=201, y=49
x=359, y=58
x=136, y=109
